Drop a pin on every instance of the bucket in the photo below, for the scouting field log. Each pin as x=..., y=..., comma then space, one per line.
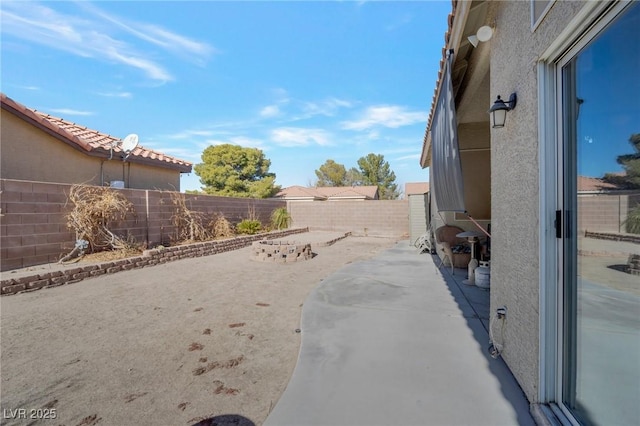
x=483, y=277
x=119, y=184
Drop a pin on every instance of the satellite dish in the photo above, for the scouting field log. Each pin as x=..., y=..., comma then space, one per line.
x=130, y=143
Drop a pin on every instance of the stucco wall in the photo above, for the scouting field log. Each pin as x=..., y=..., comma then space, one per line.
x=29, y=153
x=515, y=190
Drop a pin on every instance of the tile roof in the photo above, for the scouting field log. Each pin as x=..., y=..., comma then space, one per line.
x=413, y=188
x=329, y=192
x=300, y=192
x=590, y=184
x=90, y=141
x=368, y=192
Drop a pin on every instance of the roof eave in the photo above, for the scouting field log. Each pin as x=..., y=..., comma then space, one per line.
x=363, y=197
x=453, y=38
x=182, y=168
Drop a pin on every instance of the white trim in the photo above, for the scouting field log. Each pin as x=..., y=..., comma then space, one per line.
x=580, y=24
x=595, y=25
x=536, y=22
x=547, y=244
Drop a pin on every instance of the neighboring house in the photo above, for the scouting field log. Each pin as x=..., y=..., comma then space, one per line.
x=594, y=186
x=39, y=147
x=571, y=334
x=329, y=193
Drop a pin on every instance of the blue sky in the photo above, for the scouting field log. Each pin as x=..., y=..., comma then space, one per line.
x=610, y=112
x=303, y=81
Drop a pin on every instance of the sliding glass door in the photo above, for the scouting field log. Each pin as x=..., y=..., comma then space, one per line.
x=600, y=211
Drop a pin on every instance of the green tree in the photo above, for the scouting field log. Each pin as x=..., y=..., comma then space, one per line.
x=234, y=171
x=631, y=164
x=376, y=171
x=331, y=174
x=353, y=177
x=630, y=179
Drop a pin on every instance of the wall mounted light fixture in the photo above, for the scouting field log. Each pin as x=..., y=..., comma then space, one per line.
x=499, y=110
x=483, y=34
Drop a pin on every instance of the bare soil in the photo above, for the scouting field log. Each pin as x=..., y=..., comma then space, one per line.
x=205, y=340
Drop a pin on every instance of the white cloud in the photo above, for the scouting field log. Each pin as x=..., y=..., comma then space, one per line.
x=239, y=140
x=183, y=153
x=299, y=136
x=125, y=95
x=155, y=34
x=97, y=38
x=280, y=94
x=392, y=116
x=270, y=111
x=153, y=70
x=327, y=107
x=175, y=42
x=68, y=111
x=373, y=135
x=188, y=134
x=408, y=157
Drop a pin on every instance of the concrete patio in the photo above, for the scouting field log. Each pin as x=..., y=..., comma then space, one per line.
x=396, y=341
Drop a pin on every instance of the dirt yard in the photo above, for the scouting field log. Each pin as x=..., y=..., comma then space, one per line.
x=175, y=344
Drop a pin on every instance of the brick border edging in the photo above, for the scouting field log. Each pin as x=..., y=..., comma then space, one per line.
x=632, y=238
x=148, y=258
x=335, y=240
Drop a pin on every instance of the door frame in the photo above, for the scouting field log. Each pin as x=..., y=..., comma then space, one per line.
x=583, y=28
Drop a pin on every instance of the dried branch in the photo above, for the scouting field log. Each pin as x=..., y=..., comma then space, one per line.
x=189, y=224
x=95, y=208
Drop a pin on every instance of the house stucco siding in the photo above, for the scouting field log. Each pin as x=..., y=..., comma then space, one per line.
x=515, y=174
x=29, y=153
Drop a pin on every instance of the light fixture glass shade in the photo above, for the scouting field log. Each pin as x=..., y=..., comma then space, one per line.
x=498, y=118
x=498, y=112
x=473, y=40
x=484, y=33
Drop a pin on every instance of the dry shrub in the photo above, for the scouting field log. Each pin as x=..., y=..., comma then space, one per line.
x=95, y=209
x=189, y=224
x=221, y=227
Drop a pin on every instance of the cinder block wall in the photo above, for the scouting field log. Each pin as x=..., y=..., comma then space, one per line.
x=605, y=213
x=389, y=218
x=33, y=224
